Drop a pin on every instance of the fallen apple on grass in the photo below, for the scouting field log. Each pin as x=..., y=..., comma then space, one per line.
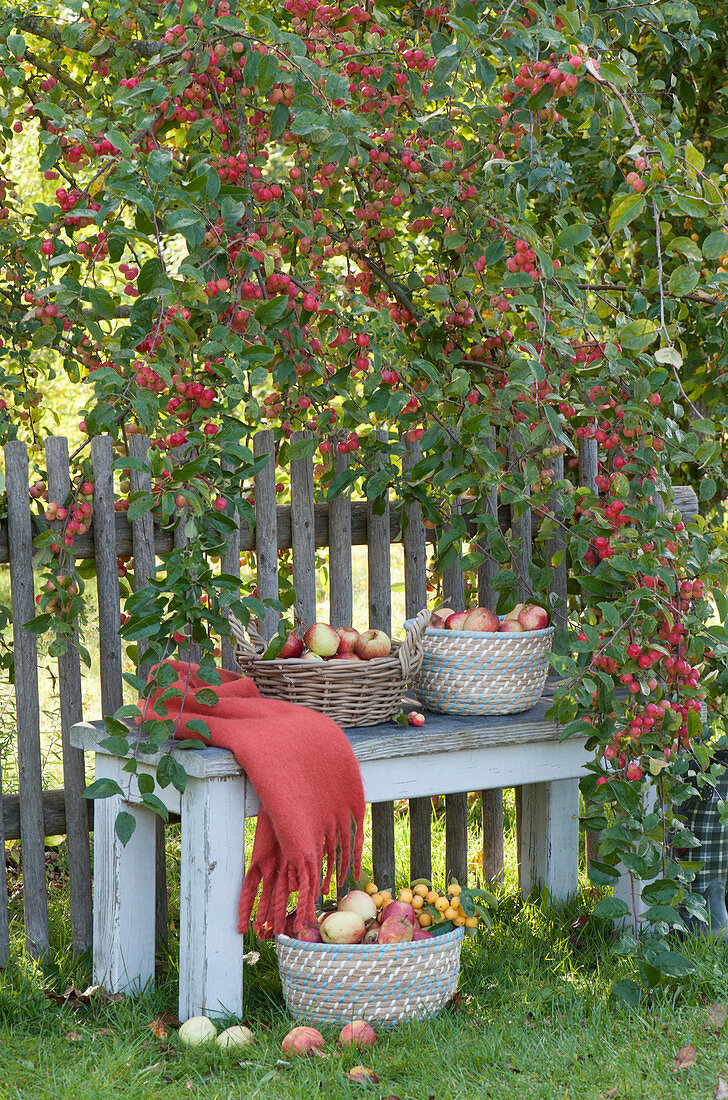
x=197, y=1031
x=303, y=1040
x=357, y=1034
x=236, y=1036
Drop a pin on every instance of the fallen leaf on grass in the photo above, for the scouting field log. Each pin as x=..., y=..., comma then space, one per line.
x=513, y=1069
x=77, y=998
x=158, y=1028
x=686, y=1057
x=362, y=1075
x=721, y=1090
x=716, y=1015
x=74, y=1037
x=250, y=958
x=612, y=1092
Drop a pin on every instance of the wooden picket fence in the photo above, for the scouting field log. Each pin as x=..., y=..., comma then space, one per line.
x=303, y=526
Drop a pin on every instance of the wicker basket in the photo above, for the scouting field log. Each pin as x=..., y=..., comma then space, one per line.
x=475, y=672
x=381, y=983
x=362, y=693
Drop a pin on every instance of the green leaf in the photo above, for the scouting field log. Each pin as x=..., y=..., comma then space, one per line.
x=624, y=211
x=271, y=311
x=102, y=788
x=715, y=245
x=628, y=991
x=611, y=908
x=206, y=697
x=102, y=303
x=124, y=826
x=638, y=335
x=38, y=624
x=155, y=803
x=683, y=280
x=573, y=235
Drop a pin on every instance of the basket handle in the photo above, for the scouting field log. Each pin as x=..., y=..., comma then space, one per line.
x=248, y=649
x=412, y=640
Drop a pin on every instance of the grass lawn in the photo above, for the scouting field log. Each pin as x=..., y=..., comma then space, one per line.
x=534, y=1017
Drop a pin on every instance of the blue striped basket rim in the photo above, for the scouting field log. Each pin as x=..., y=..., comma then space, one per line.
x=333, y=949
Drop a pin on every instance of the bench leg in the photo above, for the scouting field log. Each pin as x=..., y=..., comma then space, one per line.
x=550, y=837
x=123, y=891
x=213, y=865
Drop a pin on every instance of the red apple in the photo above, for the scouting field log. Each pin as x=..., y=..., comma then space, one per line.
x=308, y=933
x=348, y=636
x=345, y=657
x=441, y=614
x=510, y=626
x=371, y=644
x=292, y=647
x=422, y=934
x=322, y=639
x=436, y=621
x=358, y=1034
x=401, y=909
x=309, y=655
x=533, y=617
x=456, y=620
x=481, y=619
x=396, y=930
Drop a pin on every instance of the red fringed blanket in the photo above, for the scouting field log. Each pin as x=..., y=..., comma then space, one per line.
x=306, y=777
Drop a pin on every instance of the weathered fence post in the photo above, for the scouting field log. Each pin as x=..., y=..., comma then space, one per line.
x=30, y=778
x=71, y=706
x=380, y=618
x=415, y=598
x=145, y=569
x=266, y=532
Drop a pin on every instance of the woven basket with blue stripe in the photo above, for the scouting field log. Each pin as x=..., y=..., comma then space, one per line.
x=475, y=672
x=327, y=983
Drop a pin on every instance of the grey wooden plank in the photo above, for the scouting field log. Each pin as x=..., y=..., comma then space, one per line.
x=341, y=602
x=487, y=570
x=380, y=618
x=588, y=463
x=30, y=778
x=145, y=567
x=54, y=821
x=180, y=540
x=492, y=811
x=521, y=532
x=453, y=580
x=518, y=793
x=83, y=547
x=4, y=917
x=266, y=532
x=142, y=529
x=557, y=546
x=442, y=733
x=383, y=863
x=230, y=565
x=74, y=768
x=378, y=559
x=420, y=814
x=456, y=837
x=415, y=548
x=303, y=534
x=107, y=574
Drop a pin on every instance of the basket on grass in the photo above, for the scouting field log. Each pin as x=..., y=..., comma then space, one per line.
x=381, y=983
x=475, y=672
x=353, y=693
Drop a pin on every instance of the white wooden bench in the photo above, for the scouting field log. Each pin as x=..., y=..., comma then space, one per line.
x=447, y=755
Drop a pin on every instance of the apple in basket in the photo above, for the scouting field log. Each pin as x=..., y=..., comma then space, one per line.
x=372, y=644
x=511, y=626
x=439, y=617
x=480, y=618
x=348, y=636
x=322, y=639
x=309, y=655
x=292, y=647
x=343, y=928
x=357, y=901
x=396, y=930
x=533, y=617
x=456, y=620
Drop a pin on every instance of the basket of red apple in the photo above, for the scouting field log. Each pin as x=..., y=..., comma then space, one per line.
x=478, y=663
x=357, y=679
x=376, y=958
